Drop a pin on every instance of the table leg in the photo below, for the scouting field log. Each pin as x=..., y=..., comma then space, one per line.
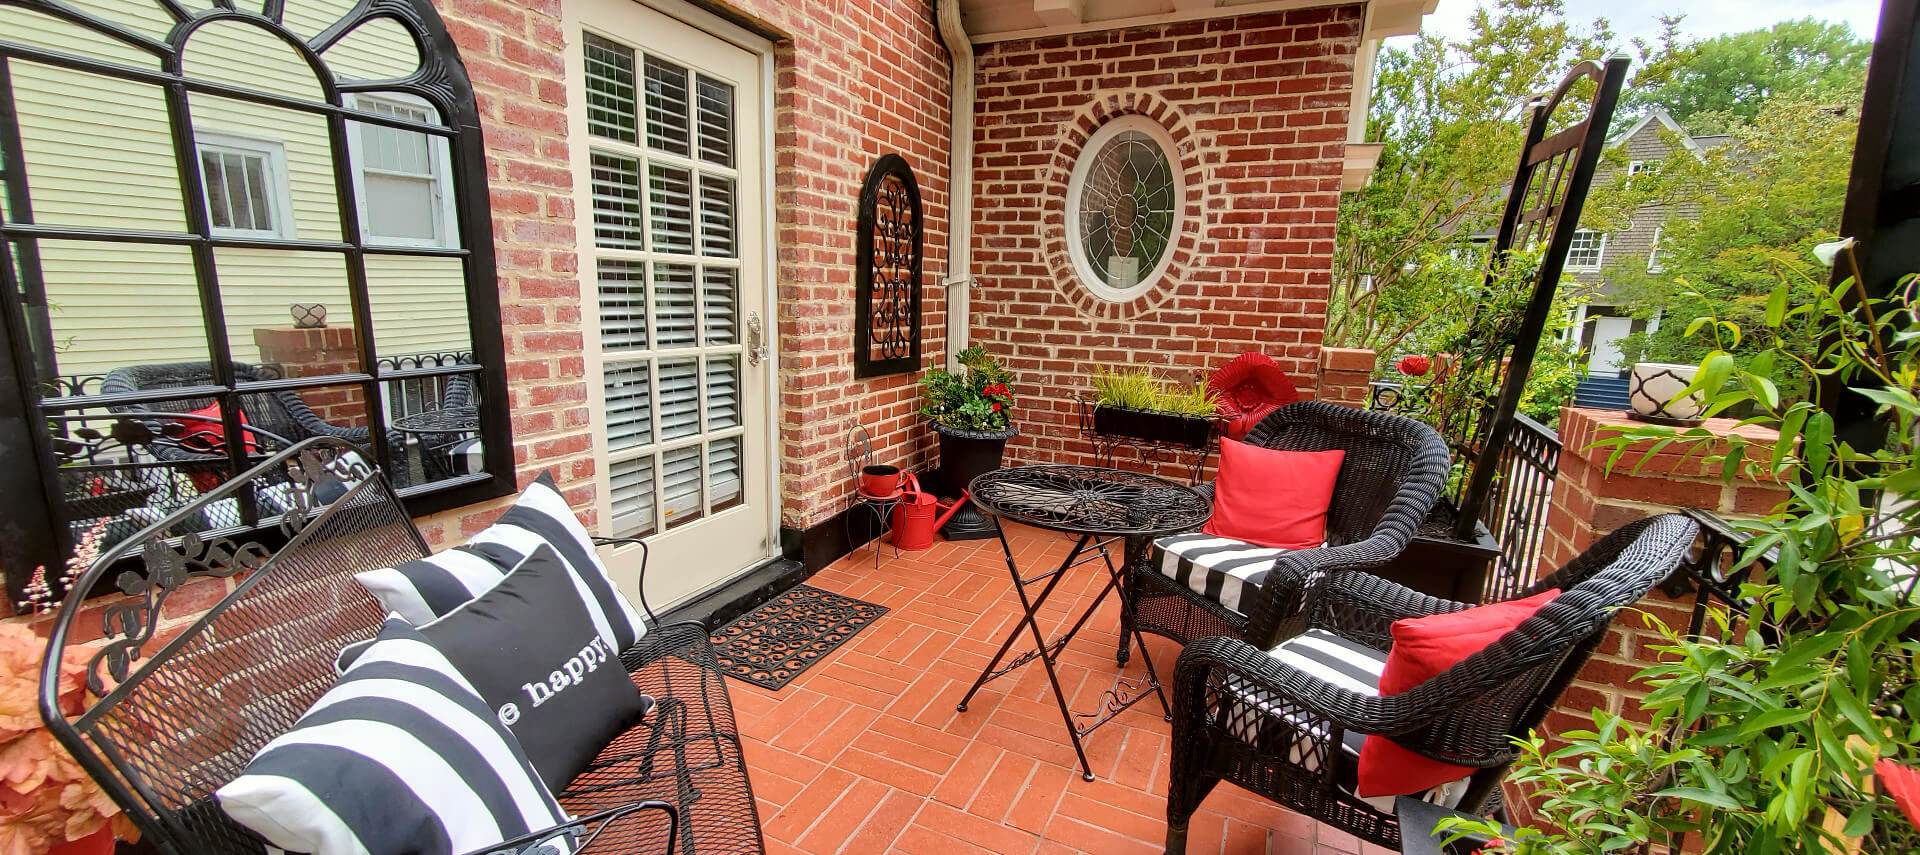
x=1043, y=650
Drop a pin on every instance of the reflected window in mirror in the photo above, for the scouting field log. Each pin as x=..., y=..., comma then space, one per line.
x=226, y=229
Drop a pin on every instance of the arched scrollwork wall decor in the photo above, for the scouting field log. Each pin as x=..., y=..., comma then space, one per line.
x=886, y=315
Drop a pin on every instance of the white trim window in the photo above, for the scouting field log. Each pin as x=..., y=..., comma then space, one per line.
x=1635, y=167
x=402, y=178
x=1586, y=251
x=1653, y=256
x=1124, y=206
x=245, y=182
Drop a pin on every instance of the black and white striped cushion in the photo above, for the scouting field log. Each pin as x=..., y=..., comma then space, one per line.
x=401, y=755
x=428, y=588
x=1225, y=570
x=1339, y=662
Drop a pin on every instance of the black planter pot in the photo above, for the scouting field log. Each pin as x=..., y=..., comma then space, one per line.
x=1444, y=567
x=1151, y=426
x=964, y=456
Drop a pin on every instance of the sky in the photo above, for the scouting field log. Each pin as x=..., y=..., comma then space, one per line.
x=1705, y=18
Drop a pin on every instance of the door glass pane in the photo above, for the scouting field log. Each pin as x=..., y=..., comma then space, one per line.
x=716, y=216
x=673, y=304
x=671, y=206
x=679, y=398
x=419, y=310
x=81, y=303
x=623, y=304
x=629, y=407
x=723, y=392
x=610, y=112
x=667, y=107
x=632, y=497
x=680, y=491
x=723, y=473
x=616, y=202
x=716, y=121
x=719, y=300
x=260, y=289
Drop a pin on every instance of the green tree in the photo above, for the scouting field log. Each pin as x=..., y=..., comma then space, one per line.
x=1407, y=271
x=1712, y=85
x=1763, y=201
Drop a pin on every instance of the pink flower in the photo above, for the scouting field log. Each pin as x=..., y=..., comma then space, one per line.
x=1903, y=786
x=1414, y=366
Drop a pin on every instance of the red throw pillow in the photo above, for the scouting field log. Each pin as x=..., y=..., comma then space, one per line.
x=1422, y=648
x=1273, y=498
x=207, y=436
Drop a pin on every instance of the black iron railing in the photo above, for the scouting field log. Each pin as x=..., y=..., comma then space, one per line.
x=1713, y=572
x=1516, y=508
x=410, y=395
x=1389, y=396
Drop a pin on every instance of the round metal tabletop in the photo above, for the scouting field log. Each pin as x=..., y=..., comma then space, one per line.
x=1090, y=500
x=448, y=420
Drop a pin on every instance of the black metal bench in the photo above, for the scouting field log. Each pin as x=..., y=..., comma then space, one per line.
x=182, y=711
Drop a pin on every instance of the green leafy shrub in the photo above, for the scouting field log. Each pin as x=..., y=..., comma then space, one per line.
x=1764, y=731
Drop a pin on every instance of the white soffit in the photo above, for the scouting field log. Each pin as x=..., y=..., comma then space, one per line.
x=1001, y=20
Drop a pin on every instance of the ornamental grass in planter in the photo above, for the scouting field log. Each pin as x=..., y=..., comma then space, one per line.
x=1133, y=403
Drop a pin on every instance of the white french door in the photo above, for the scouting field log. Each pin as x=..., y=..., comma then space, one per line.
x=668, y=166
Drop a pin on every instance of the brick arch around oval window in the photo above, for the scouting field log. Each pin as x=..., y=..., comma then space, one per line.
x=1188, y=151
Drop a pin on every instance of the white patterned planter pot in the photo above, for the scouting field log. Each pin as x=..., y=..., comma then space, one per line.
x=1654, y=390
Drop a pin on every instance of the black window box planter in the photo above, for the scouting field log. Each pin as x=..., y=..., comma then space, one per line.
x=1157, y=427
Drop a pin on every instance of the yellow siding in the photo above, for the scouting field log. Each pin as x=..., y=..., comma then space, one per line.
x=98, y=154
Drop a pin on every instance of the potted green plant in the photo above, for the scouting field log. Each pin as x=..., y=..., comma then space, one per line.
x=972, y=412
x=1132, y=402
x=1763, y=734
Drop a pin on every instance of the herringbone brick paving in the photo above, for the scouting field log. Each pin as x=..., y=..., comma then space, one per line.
x=864, y=753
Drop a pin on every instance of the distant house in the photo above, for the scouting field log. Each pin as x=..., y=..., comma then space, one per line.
x=1605, y=320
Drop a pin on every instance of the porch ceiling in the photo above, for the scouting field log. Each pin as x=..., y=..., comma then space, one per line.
x=999, y=20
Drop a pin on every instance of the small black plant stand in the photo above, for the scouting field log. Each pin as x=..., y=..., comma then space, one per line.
x=1102, y=506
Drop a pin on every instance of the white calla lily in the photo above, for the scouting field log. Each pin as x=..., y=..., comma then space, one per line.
x=1830, y=250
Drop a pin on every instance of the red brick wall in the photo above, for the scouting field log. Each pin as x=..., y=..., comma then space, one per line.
x=1257, y=106
x=852, y=82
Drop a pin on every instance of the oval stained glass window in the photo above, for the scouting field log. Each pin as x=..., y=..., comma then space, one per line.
x=1124, y=208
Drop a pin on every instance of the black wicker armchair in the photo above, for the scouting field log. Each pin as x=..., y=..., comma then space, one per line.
x=1244, y=716
x=281, y=414
x=1394, y=470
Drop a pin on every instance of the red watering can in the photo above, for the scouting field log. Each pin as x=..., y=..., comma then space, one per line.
x=919, y=515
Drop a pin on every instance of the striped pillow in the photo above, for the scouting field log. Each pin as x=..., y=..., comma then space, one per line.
x=428, y=588
x=400, y=756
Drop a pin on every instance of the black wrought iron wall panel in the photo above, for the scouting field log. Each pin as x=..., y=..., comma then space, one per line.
x=202, y=71
x=886, y=331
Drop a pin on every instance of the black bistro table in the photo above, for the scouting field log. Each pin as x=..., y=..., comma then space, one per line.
x=438, y=431
x=1101, y=506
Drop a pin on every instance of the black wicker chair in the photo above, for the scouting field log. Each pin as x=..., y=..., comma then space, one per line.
x=282, y=413
x=1304, y=730
x=1393, y=472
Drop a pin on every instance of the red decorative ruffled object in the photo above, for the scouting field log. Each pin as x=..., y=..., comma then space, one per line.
x=1414, y=366
x=1903, y=786
x=1250, y=387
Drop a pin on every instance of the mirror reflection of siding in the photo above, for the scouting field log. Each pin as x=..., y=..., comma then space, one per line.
x=98, y=153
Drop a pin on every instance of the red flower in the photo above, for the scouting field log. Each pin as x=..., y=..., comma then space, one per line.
x=1903, y=785
x=996, y=389
x=996, y=406
x=1414, y=366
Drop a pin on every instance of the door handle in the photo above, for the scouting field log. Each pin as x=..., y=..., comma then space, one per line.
x=756, y=339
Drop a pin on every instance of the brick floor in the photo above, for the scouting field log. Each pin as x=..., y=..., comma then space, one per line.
x=864, y=753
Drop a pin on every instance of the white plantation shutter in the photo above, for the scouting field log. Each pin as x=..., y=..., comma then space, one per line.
x=629, y=407
x=673, y=305
x=679, y=398
x=670, y=205
x=623, y=304
x=632, y=496
x=665, y=205
x=680, y=490
x=719, y=297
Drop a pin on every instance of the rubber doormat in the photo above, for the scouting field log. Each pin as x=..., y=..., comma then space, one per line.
x=785, y=636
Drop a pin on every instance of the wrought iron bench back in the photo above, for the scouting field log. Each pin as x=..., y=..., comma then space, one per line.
x=181, y=714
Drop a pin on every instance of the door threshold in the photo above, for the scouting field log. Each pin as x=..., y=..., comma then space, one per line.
x=758, y=584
